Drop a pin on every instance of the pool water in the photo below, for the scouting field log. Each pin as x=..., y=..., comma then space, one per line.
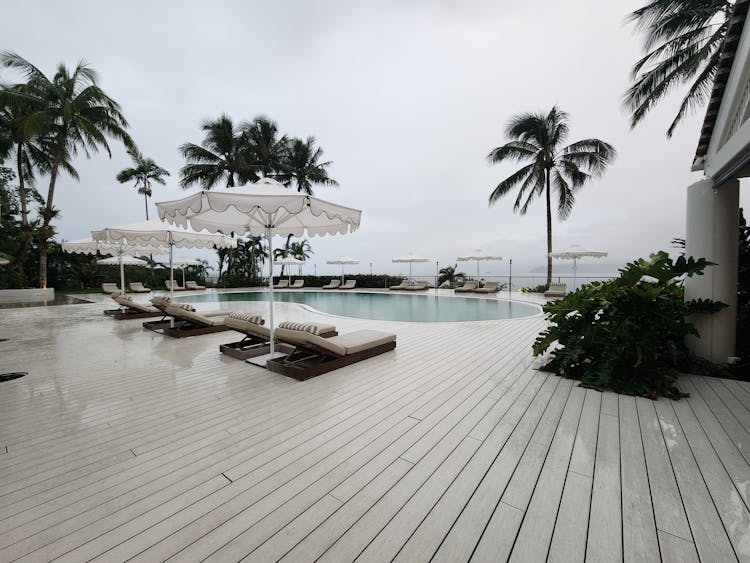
x=387, y=307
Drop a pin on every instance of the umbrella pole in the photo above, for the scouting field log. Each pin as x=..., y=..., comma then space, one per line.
x=183, y=276
x=171, y=282
x=122, y=276
x=270, y=288
x=342, y=273
x=575, y=263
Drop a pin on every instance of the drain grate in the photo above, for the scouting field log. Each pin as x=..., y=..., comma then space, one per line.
x=12, y=375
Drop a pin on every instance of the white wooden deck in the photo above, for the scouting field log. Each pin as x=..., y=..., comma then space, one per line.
x=122, y=444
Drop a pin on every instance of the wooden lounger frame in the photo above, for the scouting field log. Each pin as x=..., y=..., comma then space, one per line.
x=184, y=329
x=252, y=346
x=122, y=315
x=310, y=361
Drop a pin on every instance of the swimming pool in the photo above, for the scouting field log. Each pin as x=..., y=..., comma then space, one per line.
x=387, y=306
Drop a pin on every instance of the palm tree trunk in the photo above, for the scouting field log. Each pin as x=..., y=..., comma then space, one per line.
x=46, y=219
x=549, y=231
x=23, y=246
x=145, y=197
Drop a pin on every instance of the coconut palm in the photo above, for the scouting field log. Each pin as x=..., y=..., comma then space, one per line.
x=538, y=138
x=220, y=158
x=301, y=168
x=683, y=40
x=450, y=275
x=75, y=114
x=263, y=147
x=144, y=172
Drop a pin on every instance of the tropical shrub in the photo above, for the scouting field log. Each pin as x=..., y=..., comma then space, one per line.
x=626, y=334
x=535, y=289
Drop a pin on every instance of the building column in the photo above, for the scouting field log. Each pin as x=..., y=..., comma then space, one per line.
x=712, y=222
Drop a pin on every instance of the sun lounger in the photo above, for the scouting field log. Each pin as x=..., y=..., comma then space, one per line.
x=298, y=284
x=193, y=285
x=555, y=290
x=129, y=309
x=110, y=288
x=314, y=355
x=467, y=287
x=138, y=287
x=189, y=323
x=349, y=284
x=403, y=285
x=161, y=303
x=333, y=284
x=175, y=286
x=489, y=287
x=283, y=284
x=256, y=340
x=417, y=286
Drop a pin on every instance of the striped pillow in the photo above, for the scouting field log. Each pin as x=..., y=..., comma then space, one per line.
x=304, y=327
x=187, y=307
x=247, y=317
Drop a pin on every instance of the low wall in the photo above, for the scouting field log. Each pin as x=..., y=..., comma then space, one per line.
x=27, y=295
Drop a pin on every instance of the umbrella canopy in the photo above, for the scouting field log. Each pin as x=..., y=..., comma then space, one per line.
x=157, y=233
x=289, y=261
x=4, y=261
x=182, y=263
x=479, y=256
x=125, y=260
x=343, y=260
x=264, y=207
x=91, y=246
x=411, y=259
x=575, y=252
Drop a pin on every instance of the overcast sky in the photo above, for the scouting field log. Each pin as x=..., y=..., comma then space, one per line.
x=406, y=99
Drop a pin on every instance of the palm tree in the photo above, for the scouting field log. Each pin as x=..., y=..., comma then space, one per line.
x=301, y=167
x=301, y=250
x=450, y=275
x=74, y=114
x=144, y=171
x=538, y=138
x=220, y=158
x=263, y=147
x=683, y=44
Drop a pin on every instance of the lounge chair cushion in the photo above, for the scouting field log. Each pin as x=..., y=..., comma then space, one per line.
x=307, y=327
x=247, y=317
x=339, y=345
x=119, y=298
x=248, y=327
x=189, y=315
x=185, y=306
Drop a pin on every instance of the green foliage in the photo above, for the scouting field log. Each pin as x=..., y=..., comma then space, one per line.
x=450, y=275
x=626, y=334
x=535, y=289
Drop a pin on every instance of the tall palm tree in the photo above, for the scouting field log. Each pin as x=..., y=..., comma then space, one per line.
x=301, y=166
x=75, y=114
x=144, y=171
x=538, y=138
x=301, y=250
x=263, y=147
x=683, y=40
x=220, y=158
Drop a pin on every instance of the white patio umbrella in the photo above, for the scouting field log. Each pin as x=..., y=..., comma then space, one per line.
x=479, y=256
x=161, y=234
x=182, y=263
x=574, y=252
x=411, y=259
x=289, y=261
x=125, y=260
x=91, y=246
x=265, y=207
x=343, y=260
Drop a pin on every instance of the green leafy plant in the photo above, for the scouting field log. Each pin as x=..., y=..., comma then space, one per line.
x=535, y=289
x=626, y=334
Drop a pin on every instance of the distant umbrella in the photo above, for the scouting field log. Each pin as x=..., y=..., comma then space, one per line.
x=343, y=260
x=479, y=256
x=575, y=252
x=411, y=259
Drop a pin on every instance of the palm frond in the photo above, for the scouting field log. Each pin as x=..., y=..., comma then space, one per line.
x=513, y=150
x=510, y=182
